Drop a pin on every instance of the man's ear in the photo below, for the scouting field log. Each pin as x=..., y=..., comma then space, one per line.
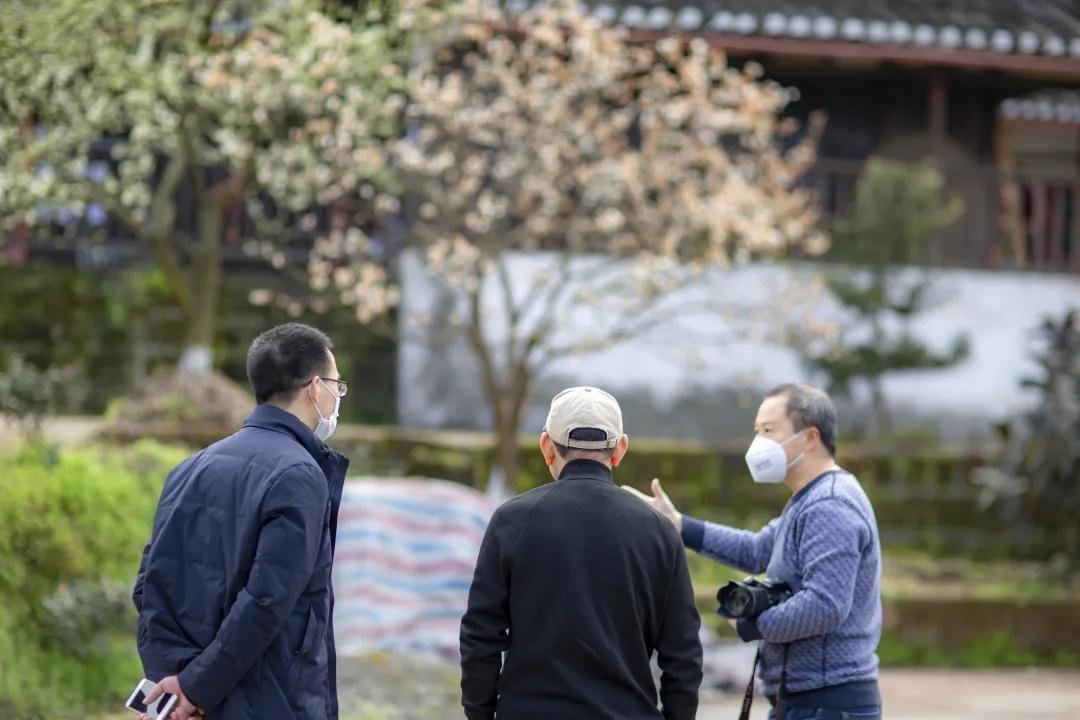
x=621, y=449
x=312, y=390
x=547, y=448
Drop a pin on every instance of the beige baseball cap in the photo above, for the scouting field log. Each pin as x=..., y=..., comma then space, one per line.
x=584, y=407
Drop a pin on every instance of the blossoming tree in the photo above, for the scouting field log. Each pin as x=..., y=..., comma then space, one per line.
x=635, y=167
x=225, y=118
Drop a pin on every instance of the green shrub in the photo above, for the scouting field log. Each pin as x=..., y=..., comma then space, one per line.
x=28, y=393
x=1035, y=484
x=72, y=527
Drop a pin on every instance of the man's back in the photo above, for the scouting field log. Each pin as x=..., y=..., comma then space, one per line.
x=207, y=523
x=234, y=590
x=591, y=582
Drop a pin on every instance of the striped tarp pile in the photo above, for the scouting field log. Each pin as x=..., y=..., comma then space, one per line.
x=405, y=555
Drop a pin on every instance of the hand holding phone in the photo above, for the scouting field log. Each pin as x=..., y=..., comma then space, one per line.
x=157, y=709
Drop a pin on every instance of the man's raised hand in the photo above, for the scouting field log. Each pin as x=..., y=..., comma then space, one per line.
x=659, y=501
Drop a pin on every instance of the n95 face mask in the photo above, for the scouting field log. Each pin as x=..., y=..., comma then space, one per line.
x=767, y=460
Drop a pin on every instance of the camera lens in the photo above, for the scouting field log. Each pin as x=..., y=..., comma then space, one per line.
x=735, y=601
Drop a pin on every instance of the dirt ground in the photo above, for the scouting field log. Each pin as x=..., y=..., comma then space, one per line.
x=427, y=693
x=956, y=695
x=382, y=685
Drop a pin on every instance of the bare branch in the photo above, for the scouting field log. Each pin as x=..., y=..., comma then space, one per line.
x=475, y=334
x=652, y=311
x=512, y=310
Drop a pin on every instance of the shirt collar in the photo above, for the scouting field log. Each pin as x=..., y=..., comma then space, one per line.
x=586, y=470
x=814, y=482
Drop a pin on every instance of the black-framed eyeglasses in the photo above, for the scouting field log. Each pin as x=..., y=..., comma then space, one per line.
x=342, y=386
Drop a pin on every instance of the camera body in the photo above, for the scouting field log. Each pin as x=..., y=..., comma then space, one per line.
x=749, y=598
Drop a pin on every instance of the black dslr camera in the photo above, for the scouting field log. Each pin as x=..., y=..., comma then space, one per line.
x=751, y=597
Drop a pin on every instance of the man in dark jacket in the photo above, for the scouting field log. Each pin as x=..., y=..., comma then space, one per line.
x=578, y=584
x=233, y=593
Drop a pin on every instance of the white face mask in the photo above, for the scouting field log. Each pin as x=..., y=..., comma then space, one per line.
x=327, y=425
x=767, y=460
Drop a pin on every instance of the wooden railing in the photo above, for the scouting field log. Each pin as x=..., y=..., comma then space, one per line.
x=1011, y=221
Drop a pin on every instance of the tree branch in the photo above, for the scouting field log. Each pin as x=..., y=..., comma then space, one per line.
x=212, y=204
x=559, y=287
x=163, y=252
x=635, y=322
x=475, y=336
x=162, y=215
x=512, y=311
x=117, y=211
x=208, y=27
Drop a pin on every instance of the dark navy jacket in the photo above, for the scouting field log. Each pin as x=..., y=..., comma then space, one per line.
x=234, y=590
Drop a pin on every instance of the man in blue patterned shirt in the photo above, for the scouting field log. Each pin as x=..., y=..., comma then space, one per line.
x=825, y=545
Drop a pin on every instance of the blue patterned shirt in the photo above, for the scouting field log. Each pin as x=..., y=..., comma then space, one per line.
x=825, y=546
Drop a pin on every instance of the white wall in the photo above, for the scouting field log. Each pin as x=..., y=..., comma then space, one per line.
x=691, y=378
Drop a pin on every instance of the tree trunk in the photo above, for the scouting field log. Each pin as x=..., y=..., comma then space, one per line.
x=502, y=483
x=508, y=401
x=508, y=408
x=882, y=418
x=508, y=390
x=202, y=317
x=198, y=355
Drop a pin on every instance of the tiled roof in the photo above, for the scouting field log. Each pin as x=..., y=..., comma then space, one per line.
x=1055, y=106
x=1023, y=27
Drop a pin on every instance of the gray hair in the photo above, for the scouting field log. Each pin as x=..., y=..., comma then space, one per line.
x=808, y=407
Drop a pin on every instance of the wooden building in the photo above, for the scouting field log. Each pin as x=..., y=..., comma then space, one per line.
x=987, y=89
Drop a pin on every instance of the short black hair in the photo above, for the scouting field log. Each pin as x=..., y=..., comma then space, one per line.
x=807, y=407
x=285, y=358
x=585, y=435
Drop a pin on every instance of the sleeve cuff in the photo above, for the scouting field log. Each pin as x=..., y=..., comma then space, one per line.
x=748, y=630
x=681, y=709
x=693, y=533
x=195, y=691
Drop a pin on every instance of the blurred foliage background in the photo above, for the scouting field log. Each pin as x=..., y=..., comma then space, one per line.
x=179, y=176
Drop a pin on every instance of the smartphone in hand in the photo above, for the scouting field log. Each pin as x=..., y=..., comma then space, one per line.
x=158, y=710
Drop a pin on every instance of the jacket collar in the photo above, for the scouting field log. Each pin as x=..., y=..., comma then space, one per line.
x=271, y=417
x=586, y=470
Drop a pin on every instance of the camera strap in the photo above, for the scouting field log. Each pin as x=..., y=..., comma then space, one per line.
x=748, y=698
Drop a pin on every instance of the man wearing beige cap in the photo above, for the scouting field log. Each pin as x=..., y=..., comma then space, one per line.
x=578, y=583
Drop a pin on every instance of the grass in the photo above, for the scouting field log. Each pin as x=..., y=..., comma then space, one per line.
x=999, y=650
x=910, y=574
